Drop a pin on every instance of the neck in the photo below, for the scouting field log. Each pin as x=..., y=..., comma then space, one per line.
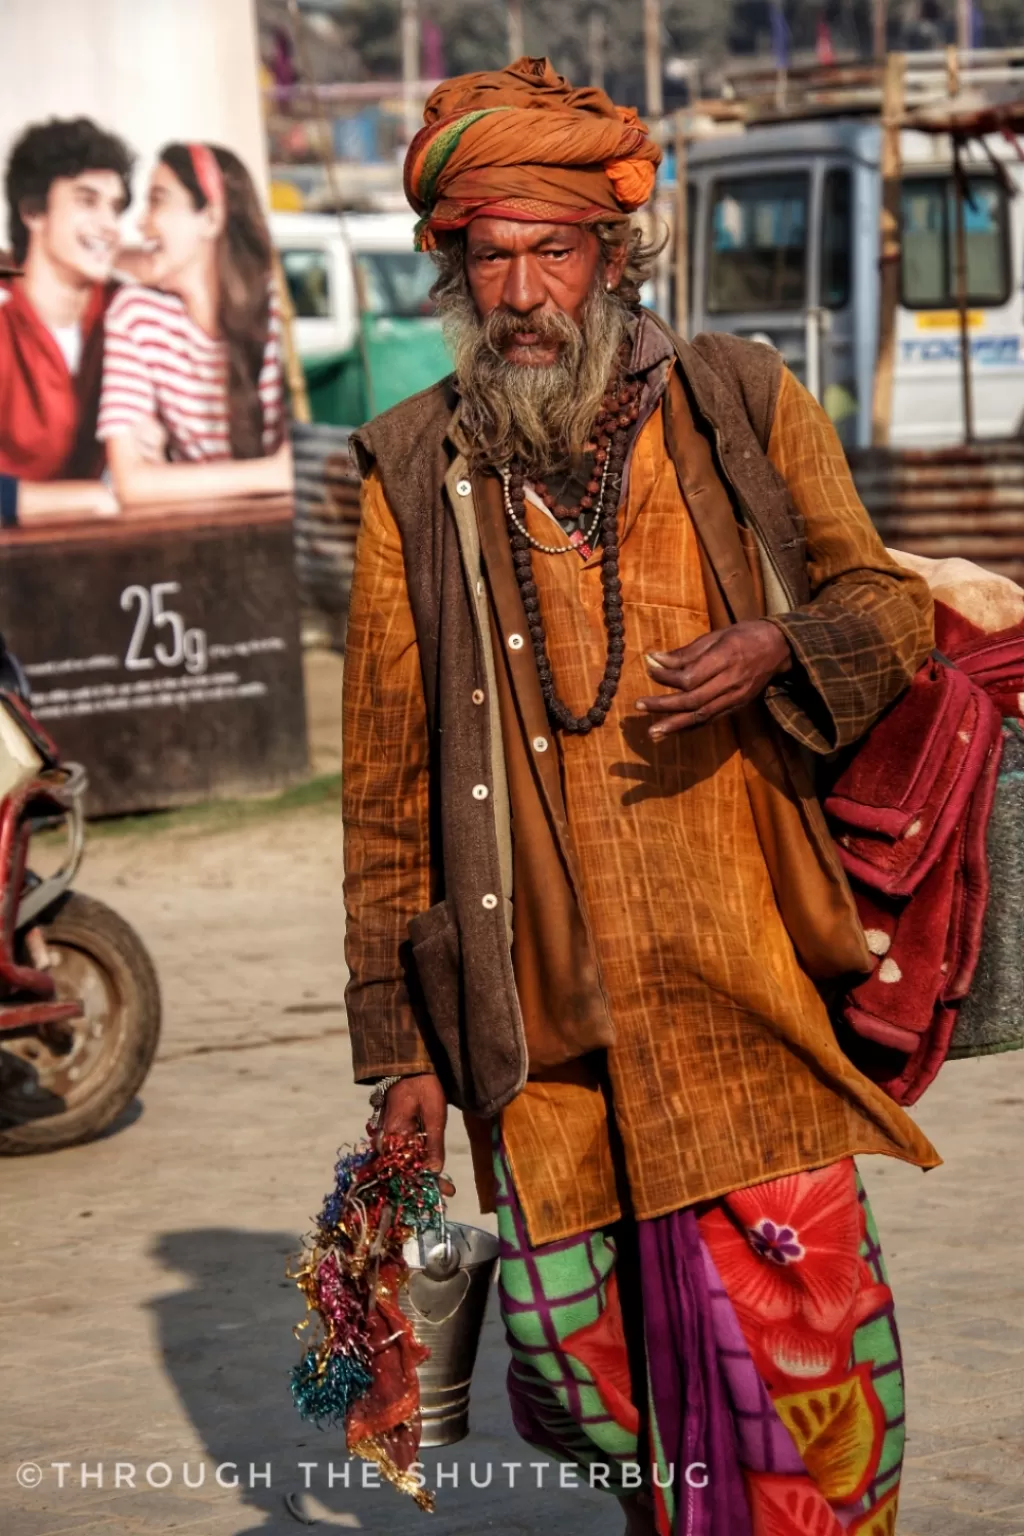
x=199, y=289
x=57, y=294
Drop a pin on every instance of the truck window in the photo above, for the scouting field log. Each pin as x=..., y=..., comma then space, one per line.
x=757, y=243
x=307, y=274
x=397, y=283
x=835, y=240
x=928, y=242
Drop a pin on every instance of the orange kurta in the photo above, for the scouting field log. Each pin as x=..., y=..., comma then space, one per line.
x=725, y=1070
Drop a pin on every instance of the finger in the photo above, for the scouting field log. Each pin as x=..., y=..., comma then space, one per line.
x=686, y=699
x=446, y=1186
x=690, y=651
x=667, y=725
x=693, y=673
x=396, y=1120
x=435, y=1147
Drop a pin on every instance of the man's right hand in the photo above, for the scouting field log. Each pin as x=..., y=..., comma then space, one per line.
x=418, y=1104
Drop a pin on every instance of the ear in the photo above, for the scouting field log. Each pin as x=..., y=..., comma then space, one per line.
x=616, y=266
x=215, y=217
x=33, y=214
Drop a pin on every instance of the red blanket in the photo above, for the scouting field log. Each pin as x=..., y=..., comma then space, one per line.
x=909, y=812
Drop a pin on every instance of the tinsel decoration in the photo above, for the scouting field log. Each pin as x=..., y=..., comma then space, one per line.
x=326, y=1395
x=349, y=1273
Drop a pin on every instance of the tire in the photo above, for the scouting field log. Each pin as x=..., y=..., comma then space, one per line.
x=69, y=1087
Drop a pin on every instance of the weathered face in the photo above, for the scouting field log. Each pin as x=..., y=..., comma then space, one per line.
x=79, y=229
x=530, y=271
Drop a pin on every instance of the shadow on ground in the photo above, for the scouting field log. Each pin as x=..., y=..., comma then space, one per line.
x=226, y=1344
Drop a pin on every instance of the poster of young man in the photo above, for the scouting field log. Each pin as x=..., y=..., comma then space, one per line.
x=146, y=544
x=67, y=183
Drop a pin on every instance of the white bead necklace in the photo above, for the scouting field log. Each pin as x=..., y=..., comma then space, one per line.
x=554, y=549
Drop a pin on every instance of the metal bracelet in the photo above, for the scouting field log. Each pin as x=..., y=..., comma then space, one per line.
x=377, y=1097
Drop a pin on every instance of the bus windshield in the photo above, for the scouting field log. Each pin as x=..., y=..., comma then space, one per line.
x=397, y=283
x=757, y=257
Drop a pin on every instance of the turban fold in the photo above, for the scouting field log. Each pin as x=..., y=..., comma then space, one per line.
x=522, y=143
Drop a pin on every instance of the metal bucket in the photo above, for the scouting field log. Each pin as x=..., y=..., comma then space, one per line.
x=450, y=1272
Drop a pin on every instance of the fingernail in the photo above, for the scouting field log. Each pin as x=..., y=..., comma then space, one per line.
x=652, y=659
x=655, y=734
x=641, y=706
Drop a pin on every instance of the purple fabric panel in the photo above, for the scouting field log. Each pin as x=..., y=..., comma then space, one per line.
x=765, y=1444
x=688, y=1390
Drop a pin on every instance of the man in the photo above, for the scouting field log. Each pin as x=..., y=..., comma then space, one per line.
x=68, y=183
x=612, y=592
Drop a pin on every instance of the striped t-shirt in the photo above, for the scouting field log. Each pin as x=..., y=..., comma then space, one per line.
x=158, y=362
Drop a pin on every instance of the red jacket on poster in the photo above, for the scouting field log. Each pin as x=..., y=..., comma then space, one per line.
x=47, y=414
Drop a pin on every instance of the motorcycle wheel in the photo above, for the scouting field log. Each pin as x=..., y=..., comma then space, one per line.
x=66, y=1085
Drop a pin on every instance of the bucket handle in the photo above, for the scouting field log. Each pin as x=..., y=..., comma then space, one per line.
x=442, y=1261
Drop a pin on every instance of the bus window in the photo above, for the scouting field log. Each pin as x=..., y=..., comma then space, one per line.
x=307, y=274
x=757, y=243
x=397, y=283
x=928, y=242
x=835, y=240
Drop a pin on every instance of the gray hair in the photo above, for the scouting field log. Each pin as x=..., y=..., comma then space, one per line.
x=541, y=416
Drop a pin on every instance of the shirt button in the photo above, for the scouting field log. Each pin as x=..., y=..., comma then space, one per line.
x=478, y=695
x=540, y=743
x=489, y=901
x=479, y=791
x=463, y=487
x=515, y=642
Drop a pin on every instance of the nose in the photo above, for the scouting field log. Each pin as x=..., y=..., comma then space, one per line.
x=524, y=290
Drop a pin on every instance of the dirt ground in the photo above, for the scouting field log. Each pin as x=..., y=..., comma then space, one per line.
x=146, y=1314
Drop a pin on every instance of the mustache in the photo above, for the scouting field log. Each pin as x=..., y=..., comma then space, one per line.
x=541, y=416
x=503, y=325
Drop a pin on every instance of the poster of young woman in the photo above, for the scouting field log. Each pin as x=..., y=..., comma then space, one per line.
x=146, y=570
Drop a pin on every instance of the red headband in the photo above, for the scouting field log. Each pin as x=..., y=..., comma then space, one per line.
x=208, y=173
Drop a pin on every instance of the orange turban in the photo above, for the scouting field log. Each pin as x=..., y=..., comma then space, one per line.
x=521, y=143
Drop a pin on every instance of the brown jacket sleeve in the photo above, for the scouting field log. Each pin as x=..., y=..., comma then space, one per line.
x=385, y=801
x=869, y=623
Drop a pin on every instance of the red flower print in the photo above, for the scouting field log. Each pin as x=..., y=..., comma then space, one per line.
x=789, y=1506
x=601, y=1347
x=788, y=1253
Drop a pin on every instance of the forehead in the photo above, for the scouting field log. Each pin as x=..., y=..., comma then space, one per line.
x=104, y=185
x=518, y=235
x=163, y=180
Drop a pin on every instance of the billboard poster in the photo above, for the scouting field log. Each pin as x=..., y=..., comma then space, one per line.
x=136, y=375
x=146, y=577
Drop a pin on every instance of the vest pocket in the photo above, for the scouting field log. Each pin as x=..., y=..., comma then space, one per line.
x=437, y=958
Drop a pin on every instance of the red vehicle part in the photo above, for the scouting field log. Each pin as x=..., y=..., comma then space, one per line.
x=40, y=1007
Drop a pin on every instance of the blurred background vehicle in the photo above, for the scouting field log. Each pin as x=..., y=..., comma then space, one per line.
x=79, y=997
x=364, y=324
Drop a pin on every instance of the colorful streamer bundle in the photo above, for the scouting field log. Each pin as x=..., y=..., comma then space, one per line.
x=360, y=1373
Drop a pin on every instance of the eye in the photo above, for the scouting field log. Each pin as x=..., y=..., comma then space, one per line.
x=558, y=254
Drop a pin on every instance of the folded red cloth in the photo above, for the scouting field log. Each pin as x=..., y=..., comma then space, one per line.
x=896, y=804
x=909, y=811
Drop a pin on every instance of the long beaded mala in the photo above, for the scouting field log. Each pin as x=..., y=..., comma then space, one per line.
x=612, y=428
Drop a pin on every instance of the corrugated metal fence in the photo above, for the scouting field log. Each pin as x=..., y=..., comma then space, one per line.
x=943, y=502
x=326, y=524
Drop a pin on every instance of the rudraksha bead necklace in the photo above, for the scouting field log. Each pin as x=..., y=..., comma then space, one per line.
x=612, y=429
